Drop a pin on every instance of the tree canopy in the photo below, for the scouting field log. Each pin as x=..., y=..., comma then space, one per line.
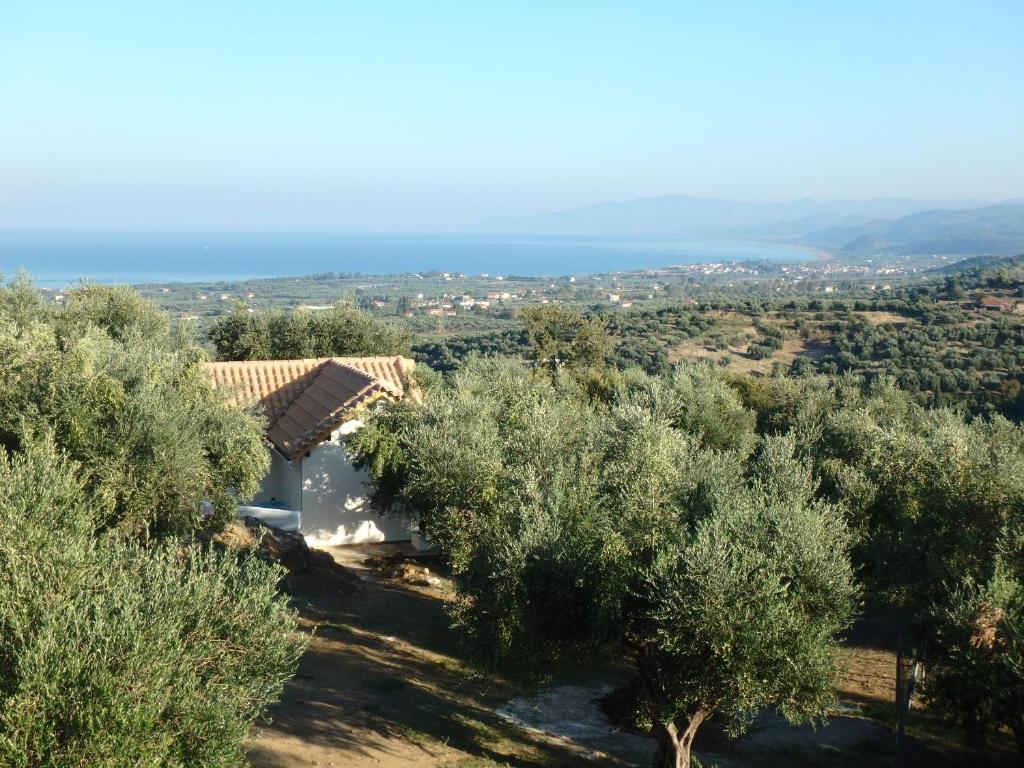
x=709, y=524
x=560, y=335
x=122, y=654
x=651, y=524
x=342, y=331
x=123, y=641
x=104, y=379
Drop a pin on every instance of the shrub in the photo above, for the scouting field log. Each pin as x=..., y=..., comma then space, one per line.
x=648, y=523
x=975, y=661
x=275, y=335
x=114, y=654
x=141, y=419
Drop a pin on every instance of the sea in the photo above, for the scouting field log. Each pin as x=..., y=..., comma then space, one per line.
x=59, y=259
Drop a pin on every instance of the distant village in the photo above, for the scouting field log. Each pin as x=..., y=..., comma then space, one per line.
x=443, y=295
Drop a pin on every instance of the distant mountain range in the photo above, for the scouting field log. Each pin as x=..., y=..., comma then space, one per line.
x=705, y=216
x=851, y=227
x=992, y=229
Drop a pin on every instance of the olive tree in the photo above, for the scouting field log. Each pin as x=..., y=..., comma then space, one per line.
x=975, y=672
x=121, y=654
x=576, y=529
x=343, y=330
x=117, y=309
x=742, y=616
x=152, y=438
x=936, y=506
x=560, y=336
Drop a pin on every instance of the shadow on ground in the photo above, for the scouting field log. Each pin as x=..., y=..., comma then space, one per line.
x=383, y=684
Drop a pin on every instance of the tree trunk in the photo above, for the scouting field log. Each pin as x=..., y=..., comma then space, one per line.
x=972, y=727
x=1017, y=726
x=675, y=747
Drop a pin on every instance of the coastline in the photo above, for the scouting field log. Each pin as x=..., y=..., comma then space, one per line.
x=142, y=259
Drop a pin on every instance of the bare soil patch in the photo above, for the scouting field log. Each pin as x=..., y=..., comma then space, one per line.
x=882, y=318
x=383, y=684
x=741, y=362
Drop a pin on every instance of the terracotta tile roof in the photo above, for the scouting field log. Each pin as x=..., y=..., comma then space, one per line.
x=304, y=400
x=991, y=302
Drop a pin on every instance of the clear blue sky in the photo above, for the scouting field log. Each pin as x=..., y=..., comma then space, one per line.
x=435, y=115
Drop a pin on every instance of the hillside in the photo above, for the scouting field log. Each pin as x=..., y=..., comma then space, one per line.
x=993, y=229
x=709, y=216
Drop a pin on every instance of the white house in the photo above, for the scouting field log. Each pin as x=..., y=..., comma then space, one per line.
x=310, y=405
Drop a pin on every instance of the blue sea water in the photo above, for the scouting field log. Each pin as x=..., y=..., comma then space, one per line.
x=55, y=260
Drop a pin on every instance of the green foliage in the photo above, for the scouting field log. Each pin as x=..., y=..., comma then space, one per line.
x=342, y=331
x=639, y=338
x=645, y=337
x=20, y=302
x=745, y=614
x=941, y=361
x=153, y=439
x=378, y=446
x=976, y=658
x=119, y=655
x=706, y=522
x=936, y=506
x=953, y=289
x=449, y=354
x=934, y=499
x=574, y=526
x=696, y=398
x=563, y=336
x=117, y=310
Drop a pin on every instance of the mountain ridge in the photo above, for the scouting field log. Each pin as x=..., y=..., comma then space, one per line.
x=990, y=229
x=843, y=227
x=710, y=216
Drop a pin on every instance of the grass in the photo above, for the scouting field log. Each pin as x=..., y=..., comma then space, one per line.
x=474, y=762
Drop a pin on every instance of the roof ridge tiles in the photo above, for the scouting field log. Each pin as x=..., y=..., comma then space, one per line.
x=305, y=399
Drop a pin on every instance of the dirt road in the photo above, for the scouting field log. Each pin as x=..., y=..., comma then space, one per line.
x=382, y=685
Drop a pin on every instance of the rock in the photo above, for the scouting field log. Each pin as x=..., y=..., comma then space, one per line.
x=401, y=568
x=309, y=570
x=235, y=537
x=252, y=535
x=385, y=563
x=288, y=548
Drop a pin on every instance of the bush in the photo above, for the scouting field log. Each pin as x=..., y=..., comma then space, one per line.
x=113, y=654
x=343, y=330
x=975, y=659
x=149, y=433
x=647, y=523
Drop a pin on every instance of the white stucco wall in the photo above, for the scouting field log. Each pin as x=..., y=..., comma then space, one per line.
x=282, y=483
x=335, y=505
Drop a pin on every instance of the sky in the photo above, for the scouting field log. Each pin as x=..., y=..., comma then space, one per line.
x=444, y=115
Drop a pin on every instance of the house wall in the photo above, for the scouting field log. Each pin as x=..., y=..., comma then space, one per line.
x=335, y=505
x=282, y=484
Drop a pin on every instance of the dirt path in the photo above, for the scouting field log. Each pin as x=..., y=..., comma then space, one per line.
x=382, y=685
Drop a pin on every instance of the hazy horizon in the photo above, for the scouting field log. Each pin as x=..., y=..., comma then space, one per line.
x=518, y=226
x=344, y=117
